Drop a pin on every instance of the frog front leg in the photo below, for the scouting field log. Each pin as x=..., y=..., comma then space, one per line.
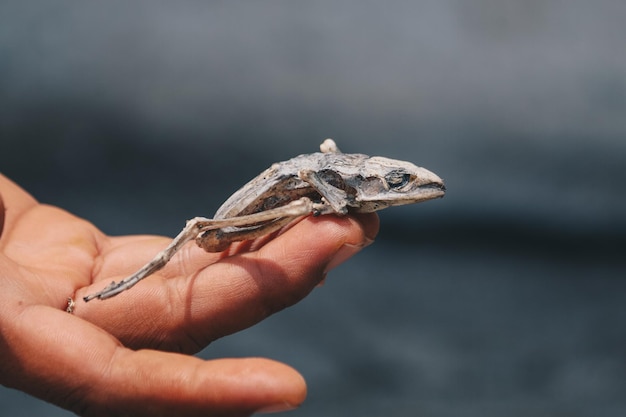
x=336, y=198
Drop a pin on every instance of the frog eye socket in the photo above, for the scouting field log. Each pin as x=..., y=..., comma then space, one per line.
x=397, y=179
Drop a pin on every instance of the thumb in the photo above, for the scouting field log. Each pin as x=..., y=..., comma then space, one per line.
x=72, y=363
x=165, y=384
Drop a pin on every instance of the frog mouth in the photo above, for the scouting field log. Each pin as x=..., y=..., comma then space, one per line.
x=433, y=186
x=426, y=192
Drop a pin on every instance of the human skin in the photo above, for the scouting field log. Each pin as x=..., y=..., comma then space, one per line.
x=130, y=355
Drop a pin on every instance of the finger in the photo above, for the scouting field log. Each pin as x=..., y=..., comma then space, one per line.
x=173, y=384
x=1, y=215
x=67, y=361
x=242, y=290
x=15, y=201
x=234, y=293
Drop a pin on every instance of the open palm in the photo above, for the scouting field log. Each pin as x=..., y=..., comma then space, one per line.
x=128, y=355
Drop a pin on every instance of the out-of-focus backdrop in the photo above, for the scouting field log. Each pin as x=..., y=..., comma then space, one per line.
x=507, y=297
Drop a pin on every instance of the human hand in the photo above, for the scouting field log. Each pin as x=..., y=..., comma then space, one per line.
x=118, y=356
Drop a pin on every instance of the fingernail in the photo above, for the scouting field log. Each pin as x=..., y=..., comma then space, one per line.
x=276, y=408
x=322, y=282
x=346, y=252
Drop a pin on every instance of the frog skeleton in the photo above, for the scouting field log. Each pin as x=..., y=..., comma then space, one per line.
x=326, y=182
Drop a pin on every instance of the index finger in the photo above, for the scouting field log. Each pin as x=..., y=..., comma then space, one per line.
x=188, y=312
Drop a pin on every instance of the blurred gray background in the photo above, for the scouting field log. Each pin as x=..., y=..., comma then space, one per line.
x=504, y=298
